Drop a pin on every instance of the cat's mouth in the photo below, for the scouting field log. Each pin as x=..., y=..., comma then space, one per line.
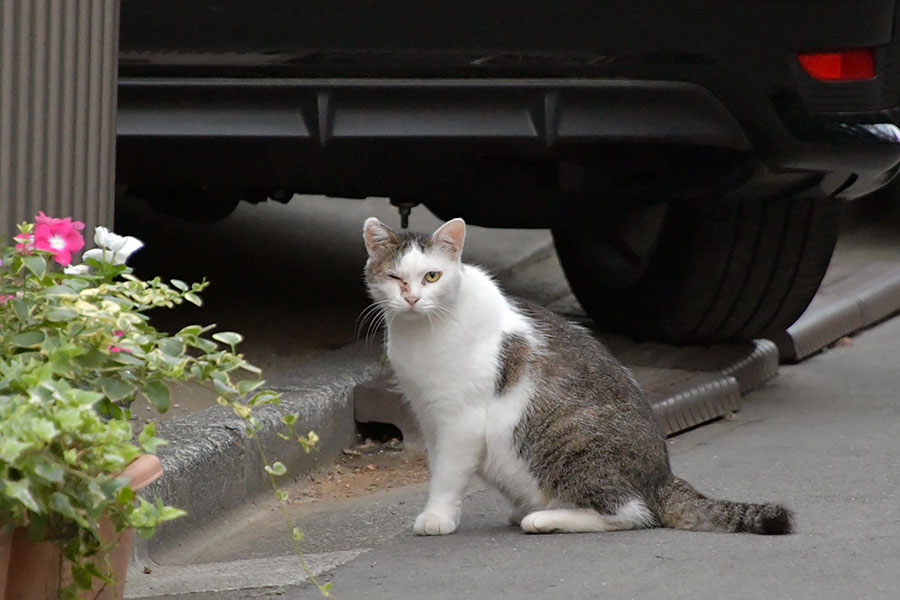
x=411, y=311
x=416, y=311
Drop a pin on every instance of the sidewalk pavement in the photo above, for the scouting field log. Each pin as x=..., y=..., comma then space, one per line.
x=823, y=438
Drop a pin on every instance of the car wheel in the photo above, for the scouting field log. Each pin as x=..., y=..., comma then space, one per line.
x=699, y=271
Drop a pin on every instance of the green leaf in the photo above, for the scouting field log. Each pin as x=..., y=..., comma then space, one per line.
x=92, y=359
x=248, y=385
x=44, y=429
x=10, y=450
x=19, y=490
x=289, y=419
x=297, y=534
x=194, y=330
x=21, y=308
x=83, y=574
x=204, y=344
x=36, y=264
x=63, y=505
x=84, y=397
x=27, y=339
x=58, y=290
x=61, y=359
x=228, y=337
x=252, y=368
x=282, y=495
x=124, y=495
x=61, y=315
x=277, y=469
x=148, y=440
x=126, y=358
x=69, y=419
x=116, y=389
x=193, y=298
x=168, y=513
x=171, y=346
x=264, y=397
x=49, y=472
x=180, y=284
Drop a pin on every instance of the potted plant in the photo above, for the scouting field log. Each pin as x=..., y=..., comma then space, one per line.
x=76, y=348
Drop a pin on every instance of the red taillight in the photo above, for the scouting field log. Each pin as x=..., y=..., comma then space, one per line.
x=841, y=65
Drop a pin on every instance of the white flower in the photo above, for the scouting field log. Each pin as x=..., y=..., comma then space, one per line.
x=113, y=248
x=81, y=269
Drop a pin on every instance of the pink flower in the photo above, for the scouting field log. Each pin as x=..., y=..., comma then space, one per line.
x=118, y=333
x=58, y=236
x=26, y=243
x=6, y=298
x=117, y=349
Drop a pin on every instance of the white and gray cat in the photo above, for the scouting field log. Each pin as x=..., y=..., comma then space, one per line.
x=532, y=403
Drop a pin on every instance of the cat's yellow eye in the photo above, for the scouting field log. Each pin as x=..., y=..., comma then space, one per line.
x=432, y=276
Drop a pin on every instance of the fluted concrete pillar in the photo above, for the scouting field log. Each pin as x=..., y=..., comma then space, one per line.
x=58, y=73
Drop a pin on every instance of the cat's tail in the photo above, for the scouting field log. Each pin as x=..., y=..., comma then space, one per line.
x=683, y=507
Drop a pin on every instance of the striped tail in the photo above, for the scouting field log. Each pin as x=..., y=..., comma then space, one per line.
x=683, y=507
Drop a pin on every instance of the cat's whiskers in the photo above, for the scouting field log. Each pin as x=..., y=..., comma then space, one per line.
x=371, y=318
x=374, y=327
x=365, y=319
x=442, y=312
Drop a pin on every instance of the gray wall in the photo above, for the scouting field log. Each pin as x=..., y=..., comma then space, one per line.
x=58, y=62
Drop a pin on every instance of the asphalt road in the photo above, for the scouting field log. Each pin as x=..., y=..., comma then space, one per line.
x=823, y=437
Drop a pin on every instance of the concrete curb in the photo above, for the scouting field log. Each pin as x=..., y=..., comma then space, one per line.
x=212, y=467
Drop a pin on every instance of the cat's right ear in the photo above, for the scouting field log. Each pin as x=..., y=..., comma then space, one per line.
x=377, y=235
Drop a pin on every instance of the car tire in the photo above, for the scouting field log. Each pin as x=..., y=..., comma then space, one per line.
x=699, y=272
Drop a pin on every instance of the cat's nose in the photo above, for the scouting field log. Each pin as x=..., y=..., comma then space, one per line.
x=411, y=300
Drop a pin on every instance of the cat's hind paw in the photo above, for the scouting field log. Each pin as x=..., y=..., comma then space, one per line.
x=537, y=522
x=432, y=523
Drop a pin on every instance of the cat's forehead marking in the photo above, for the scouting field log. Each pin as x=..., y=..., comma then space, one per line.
x=417, y=260
x=392, y=253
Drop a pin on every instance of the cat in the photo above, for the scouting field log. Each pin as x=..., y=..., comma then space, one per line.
x=532, y=403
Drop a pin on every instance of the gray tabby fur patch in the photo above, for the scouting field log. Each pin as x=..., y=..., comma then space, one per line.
x=591, y=440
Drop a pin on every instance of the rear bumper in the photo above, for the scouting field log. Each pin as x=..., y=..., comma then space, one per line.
x=274, y=132
x=542, y=113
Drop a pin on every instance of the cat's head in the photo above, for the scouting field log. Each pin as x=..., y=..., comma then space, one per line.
x=413, y=275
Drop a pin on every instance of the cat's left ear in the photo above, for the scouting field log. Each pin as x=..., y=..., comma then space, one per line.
x=450, y=237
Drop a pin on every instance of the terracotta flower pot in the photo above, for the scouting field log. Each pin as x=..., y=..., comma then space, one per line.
x=31, y=571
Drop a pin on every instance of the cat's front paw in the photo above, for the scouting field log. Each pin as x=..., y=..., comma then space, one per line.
x=433, y=523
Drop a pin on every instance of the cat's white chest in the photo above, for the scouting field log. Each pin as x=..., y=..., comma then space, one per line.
x=452, y=391
x=433, y=368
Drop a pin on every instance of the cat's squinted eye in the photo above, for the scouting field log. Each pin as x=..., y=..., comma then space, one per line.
x=432, y=276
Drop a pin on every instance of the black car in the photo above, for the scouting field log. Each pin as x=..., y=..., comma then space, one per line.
x=691, y=157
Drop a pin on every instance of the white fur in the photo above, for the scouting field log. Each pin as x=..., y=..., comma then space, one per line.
x=631, y=515
x=444, y=353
